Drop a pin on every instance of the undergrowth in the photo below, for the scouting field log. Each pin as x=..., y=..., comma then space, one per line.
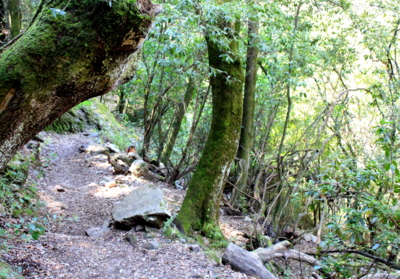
x=19, y=204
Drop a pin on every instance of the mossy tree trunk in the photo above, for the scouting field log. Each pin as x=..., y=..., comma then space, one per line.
x=122, y=101
x=15, y=17
x=247, y=130
x=200, y=208
x=2, y=22
x=72, y=51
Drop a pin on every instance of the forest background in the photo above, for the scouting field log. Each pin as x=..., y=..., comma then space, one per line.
x=318, y=151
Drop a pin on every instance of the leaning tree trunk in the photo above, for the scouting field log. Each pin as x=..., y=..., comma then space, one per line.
x=200, y=208
x=247, y=130
x=72, y=51
x=178, y=117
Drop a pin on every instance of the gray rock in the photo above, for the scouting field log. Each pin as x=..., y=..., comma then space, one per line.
x=310, y=238
x=245, y=262
x=59, y=188
x=146, y=204
x=139, y=228
x=67, y=186
x=96, y=231
x=131, y=238
x=94, y=149
x=247, y=219
x=151, y=245
x=140, y=168
x=194, y=248
x=112, y=147
x=104, y=180
x=128, y=158
x=106, y=223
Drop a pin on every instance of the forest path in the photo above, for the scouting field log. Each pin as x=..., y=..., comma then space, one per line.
x=75, y=201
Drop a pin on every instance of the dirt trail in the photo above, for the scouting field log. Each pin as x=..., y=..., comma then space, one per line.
x=65, y=251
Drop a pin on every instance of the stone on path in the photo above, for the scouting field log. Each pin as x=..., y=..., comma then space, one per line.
x=59, y=188
x=146, y=204
x=151, y=245
x=96, y=231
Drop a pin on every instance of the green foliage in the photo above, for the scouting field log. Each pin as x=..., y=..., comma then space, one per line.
x=7, y=272
x=19, y=201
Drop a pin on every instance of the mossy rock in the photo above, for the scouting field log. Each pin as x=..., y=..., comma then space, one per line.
x=93, y=115
x=78, y=119
x=7, y=272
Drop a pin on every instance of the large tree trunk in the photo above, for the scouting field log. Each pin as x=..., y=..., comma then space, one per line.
x=73, y=50
x=200, y=208
x=247, y=131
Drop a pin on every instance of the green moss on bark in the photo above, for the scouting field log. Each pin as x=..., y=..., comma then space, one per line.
x=200, y=209
x=62, y=60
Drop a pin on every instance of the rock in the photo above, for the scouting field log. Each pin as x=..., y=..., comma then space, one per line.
x=67, y=186
x=94, y=149
x=104, y=180
x=59, y=188
x=139, y=228
x=194, y=248
x=245, y=262
x=247, y=219
x=163, y=169
x=110, y=184
x=106, y=223
x=146, y=204
x=131, y=238
x=151, y=245
x=150, y=235
x=128, y=158
x=310, y=238
x=112, y=148
x=139, y=168
x=96, y=231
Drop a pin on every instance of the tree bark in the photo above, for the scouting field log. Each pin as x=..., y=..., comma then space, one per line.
x=71, y=52
x=200, y=208
x=178, y=117
x=3, y=31
x=15, y=17
x=247, y=130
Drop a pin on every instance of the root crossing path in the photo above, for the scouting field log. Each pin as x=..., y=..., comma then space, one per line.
x=76, y=196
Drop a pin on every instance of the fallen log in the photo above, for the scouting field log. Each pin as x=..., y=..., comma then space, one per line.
x=252, y=263
x=281, y=250
x=246, y=262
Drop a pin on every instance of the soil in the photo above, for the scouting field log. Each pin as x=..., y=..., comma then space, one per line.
x=77, y=198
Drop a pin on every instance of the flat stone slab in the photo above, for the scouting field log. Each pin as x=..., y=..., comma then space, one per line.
x=144, y=205
x=96, y=231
